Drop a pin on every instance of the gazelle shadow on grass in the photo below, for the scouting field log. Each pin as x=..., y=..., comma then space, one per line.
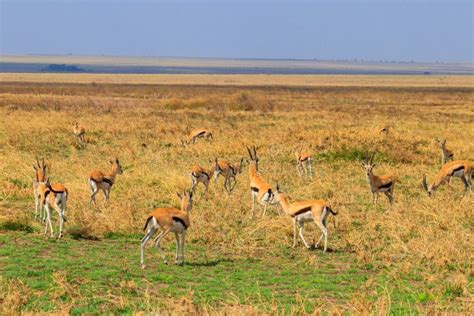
x=209, y=263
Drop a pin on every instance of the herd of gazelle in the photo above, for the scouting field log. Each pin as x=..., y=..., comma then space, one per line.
x=49, y=196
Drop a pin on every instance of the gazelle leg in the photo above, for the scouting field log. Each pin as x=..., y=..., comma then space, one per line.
x=177, y=247
x=143, y=243
x=466, y=183
x=233, y=186
x=94, y=191
x=325, y=233
x=36, y=205
x=158, y=245
x=298, y=168
x=301, y=235
x=389, y=196
x=182, y=247
x=264, y=210
x=194, y=183
x=61, y=219
x=207, y=186
x=48, y=221
x=253, y=202
x=294, y=232
x=310, y=168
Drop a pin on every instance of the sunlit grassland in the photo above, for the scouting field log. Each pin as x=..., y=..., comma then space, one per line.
x=413, y=257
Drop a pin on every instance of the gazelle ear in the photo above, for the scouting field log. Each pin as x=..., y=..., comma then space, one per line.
x=34, y=167
x=278, y=187
x=111, y=162
x=47, y=182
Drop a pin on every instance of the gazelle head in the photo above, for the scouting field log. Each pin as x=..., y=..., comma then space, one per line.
x=368, y=164
x=428, y=189
x=116, y=166
x=186, y=200
x=253, y=156
x=441, y=143
x=40, y=170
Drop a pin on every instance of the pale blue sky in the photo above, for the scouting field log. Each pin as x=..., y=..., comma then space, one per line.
x=371, y=30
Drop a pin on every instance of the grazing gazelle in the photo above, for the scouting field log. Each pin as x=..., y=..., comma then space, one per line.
x=40, y=176
x=80, y=133
x=203, y=175
x=377, y=184
x=261, y=191
x=229, y=171
x=168, y=220
x=302, y=212
x=457, y=168
x=99, y=180
x=53, y=196
x=196, y=134
x=304, y=163
x=446, y=154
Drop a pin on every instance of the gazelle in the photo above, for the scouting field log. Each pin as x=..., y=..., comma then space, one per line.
x=201, y=175
x=304, y=163
x=261, y=191
x=384, y=130
x=385, y=184
x=53, y=196
x=40, y=176
x=79, y=132
x=196, y=134
x=446, y=154
x=99, y=180
x=458, y=168
x=168, y=220
x=303, y=212
x=229, y=171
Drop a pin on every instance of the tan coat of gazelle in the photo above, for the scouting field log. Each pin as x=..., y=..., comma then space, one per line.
x=196, y=134
x=40, y=176
x=53, y=196
x=384, y=184
x=99, y=180
x=168, y=220
x=458, y=168
x=261, y=191
x=304, y=163
x=303, y=212
x=201, y=175
x=79, y=132
x=229, y=171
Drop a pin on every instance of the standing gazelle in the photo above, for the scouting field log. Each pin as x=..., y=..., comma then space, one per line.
x=377, y=184
x=99, y=180
x=446, y=154
x=53, y=196
x=168, y=220
x=80, y=133
x=229, y=171
x=457, y=168
x=304, y=163
x=261, y=191
x=302, y=212
x=40, y=176
x=201, y=175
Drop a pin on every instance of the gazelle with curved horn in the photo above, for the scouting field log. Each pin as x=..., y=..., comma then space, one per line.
x=53, y=196
x=79, y=132
x=168, y=220
x=304, y=163
x=261, y=191
x=99, y=180
x=40, y=177
x=446, y=154
x=458, y=168
x=384, y=184
x=201, y=175
x=229, y=171
x=303, y=212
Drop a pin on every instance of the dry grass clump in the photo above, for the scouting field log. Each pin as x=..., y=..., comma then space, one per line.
x=430, y=238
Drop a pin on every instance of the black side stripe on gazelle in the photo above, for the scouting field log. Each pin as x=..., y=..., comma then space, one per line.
x=303, y=159
x=254, y=189
x=108, y=181
x=201, y=133
x=179, y=220
x=303, y=210
x=457, y=169
x=386, y=185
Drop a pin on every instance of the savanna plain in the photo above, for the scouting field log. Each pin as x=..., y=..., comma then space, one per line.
x=413, y=257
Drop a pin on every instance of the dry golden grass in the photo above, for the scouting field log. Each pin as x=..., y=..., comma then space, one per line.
x=431, y=239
